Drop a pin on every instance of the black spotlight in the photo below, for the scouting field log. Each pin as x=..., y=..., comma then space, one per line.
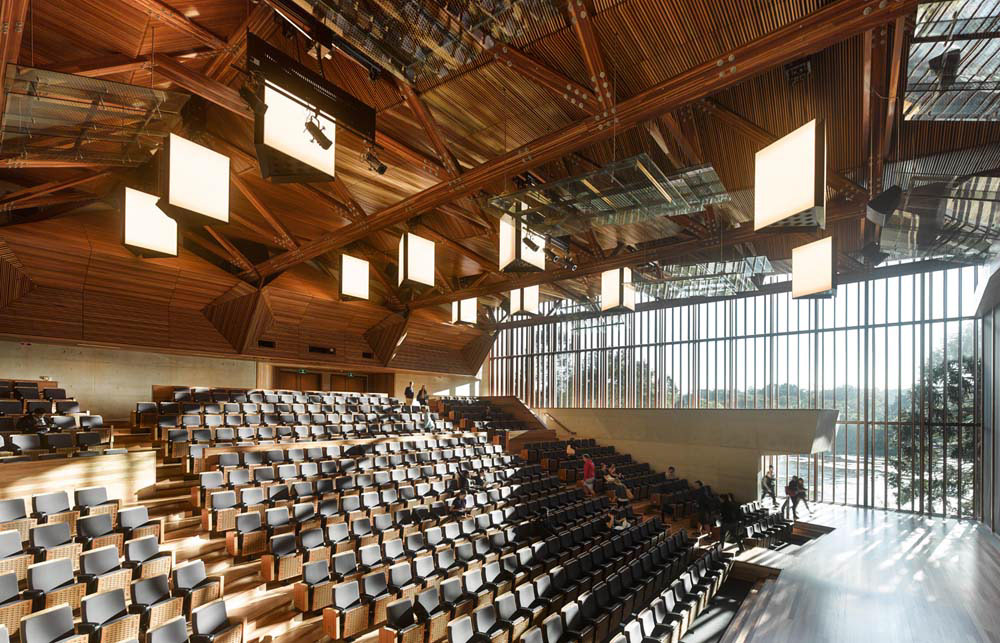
x=946, y=66
x=374, y=164
x=531, y=243
x=252, y=100
x=882, y=205
x=314, y=129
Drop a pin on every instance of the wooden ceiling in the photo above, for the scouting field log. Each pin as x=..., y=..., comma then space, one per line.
x=687, y=82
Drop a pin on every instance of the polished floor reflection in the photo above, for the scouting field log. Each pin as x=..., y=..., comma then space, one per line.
x=885, y=576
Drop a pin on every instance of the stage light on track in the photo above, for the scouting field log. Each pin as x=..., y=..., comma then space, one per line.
x=374, y=164
x=316, y=131
x=253, y=101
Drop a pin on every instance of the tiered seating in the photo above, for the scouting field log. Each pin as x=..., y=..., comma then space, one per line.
x=187, y=428
x=72, y=431
x=82, y=553
x=476, y=414
x=637, y=477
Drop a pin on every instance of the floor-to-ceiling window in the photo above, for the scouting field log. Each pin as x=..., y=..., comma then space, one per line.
x=898, y=355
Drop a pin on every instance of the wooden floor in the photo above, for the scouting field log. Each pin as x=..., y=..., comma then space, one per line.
x=883, y=576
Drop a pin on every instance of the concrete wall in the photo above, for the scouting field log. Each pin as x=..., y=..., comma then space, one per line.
x=720, y=447
x=109, y=381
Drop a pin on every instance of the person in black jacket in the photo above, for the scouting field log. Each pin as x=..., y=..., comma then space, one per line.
x=35, y=422
x=423, y=396
x=767, y=486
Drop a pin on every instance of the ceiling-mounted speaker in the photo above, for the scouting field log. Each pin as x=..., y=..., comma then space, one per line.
x=882, y=205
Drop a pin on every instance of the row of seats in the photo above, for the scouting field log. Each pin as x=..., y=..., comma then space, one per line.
x=448, y=592
x=204, y=394
x=27, y=446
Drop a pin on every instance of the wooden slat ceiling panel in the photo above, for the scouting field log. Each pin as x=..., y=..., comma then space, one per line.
x=479, y=129
x=485, y=109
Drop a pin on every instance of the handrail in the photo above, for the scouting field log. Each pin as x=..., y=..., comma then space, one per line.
x=564, y=427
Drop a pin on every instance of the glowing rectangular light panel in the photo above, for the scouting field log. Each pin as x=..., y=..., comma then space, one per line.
x=284, y=130
x=353, y=277
x=812, y=268
x=416, y=260
x=790, y=179
x=515, y=254
x=524, y=300
x=464, y=311
x=148, y=231
x=198, y=179
x=617, y=291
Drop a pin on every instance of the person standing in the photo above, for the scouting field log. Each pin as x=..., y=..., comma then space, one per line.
x=767, y=486
x=589, y=472
x=792, y=497
x=408, y=393
x=671, y=473
x=801, y=494
x=422, y=396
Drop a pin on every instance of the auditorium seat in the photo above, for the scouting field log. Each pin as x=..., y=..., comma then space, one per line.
x=194, y=585
x=50, y=542
x=102, y=571
x=94, y=500
x=52, y=625
x=97, y=531
x=152, y=601
x=13, y=606
x=173, y=631
x=134, y=522
x=52, y=582
x=144, y=558
x=105, y=618
x=348, y=615
x=210, y=623
x=401, y=625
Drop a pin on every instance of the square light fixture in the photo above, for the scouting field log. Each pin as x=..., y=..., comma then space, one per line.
x=196, y=182
x=285, y=130
x=524, y=300
x=416, y=260
x=813, y=270
x=353, y=277
x=521, y=250
x=297, y=113
x=464, y=311
x=617, y=291
x=148, y=231
x=790, y=180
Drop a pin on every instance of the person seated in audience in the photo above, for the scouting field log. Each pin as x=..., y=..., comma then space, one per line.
x=570, y=451
x=458, y=508
x=423, y=396
x=671, y=473
x=35, y=422
x=589, y=473
x=767, y=486
x=614, y=481
x=708, y=504
x=408, y=394
x=801, y=493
